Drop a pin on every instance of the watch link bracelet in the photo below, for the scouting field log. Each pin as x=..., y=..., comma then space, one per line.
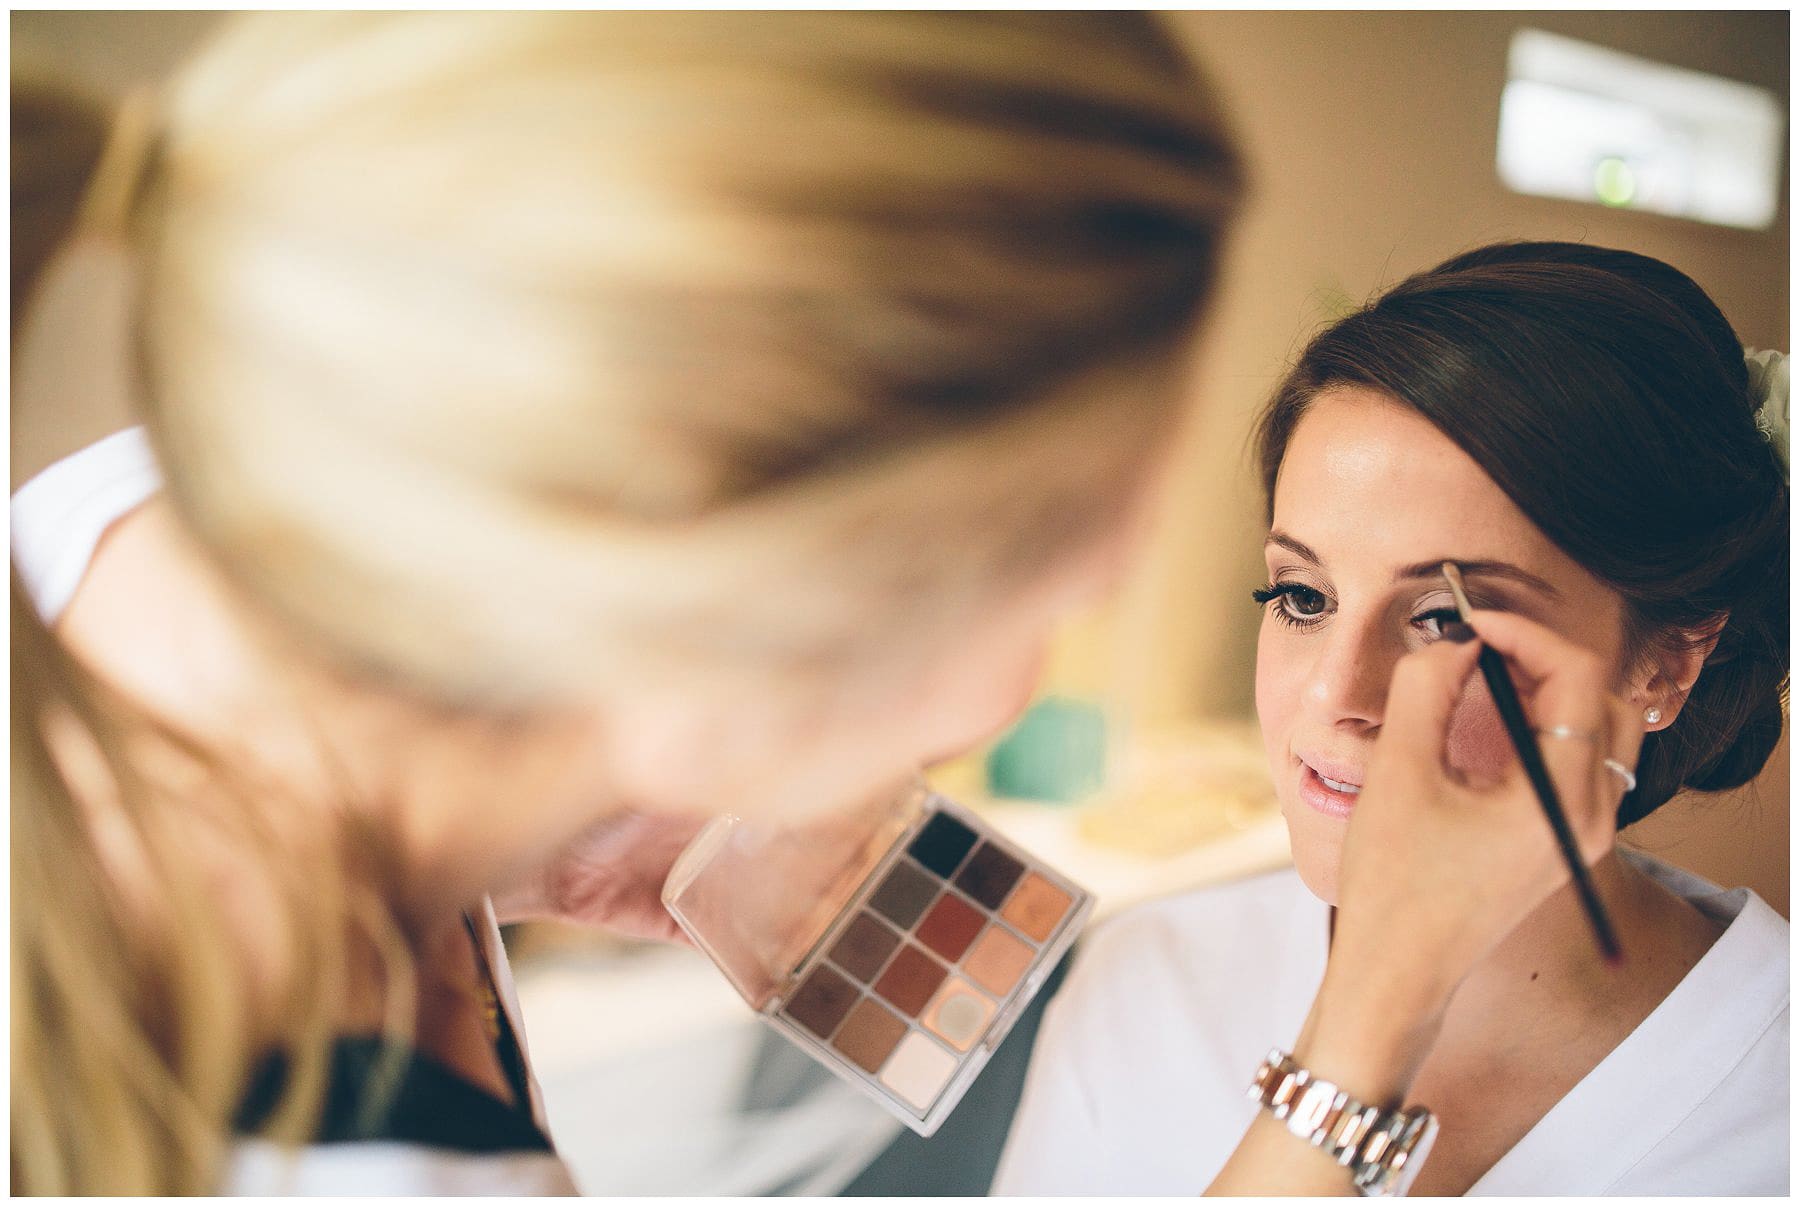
x=1382, y=1149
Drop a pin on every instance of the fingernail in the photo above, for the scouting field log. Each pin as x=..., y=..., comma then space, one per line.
x=1458, y=632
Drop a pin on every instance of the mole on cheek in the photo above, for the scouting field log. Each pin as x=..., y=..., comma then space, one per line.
x=1477, y=745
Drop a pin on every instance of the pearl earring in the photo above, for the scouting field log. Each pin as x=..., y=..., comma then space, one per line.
x=1652, y=715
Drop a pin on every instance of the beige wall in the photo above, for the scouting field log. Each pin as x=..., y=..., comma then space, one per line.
x=68, y=389
x=1371, y=140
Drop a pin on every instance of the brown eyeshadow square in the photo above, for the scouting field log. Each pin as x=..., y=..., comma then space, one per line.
x=869, y=1035
x=1036, y=907
x=951, y=926
x=821, y=1002
x=904, y=895
x=990, y=875
x=864, y=947
x=910, y=980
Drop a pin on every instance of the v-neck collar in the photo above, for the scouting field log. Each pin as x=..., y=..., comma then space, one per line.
x=1630, y=1102
x=1634, y=1098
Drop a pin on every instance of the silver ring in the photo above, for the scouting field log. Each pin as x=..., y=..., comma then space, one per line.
x=1568, y=731
x=1622, y=771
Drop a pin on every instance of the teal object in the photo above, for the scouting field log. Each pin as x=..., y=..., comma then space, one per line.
x=1056, y=752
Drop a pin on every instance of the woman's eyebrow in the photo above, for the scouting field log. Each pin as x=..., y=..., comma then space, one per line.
x=1284, y=541
x=1426, y=569
x=1434, y=569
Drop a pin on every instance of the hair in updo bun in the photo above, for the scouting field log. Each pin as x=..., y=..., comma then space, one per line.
x=1608, y=397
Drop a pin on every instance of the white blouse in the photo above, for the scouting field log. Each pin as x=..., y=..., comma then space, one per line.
x=58, y=519
x=1138, y=1082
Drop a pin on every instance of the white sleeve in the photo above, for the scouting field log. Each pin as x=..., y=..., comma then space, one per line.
x=1136, y=1082
x=1055, y=1145
x=60, y=515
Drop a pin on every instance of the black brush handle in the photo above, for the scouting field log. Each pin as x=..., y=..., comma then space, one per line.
x=1512, y=715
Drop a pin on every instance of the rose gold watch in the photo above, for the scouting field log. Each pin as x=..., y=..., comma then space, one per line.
x=1383, y=1149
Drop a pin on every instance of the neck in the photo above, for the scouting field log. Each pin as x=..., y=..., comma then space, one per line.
x=307, y=841
x=465, y=803
x=1554, y=956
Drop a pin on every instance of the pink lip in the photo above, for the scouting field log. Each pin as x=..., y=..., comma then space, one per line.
x=1316, y=794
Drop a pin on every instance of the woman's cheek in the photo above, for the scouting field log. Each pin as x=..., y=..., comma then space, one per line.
x=1477, y=745
x=1277, y=692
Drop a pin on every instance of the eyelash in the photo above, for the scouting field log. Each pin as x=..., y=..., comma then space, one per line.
x=1278, y=593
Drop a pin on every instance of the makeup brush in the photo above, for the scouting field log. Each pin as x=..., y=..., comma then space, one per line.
x=1512, y=715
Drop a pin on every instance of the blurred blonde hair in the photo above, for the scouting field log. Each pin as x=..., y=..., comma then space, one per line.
x=513, y=358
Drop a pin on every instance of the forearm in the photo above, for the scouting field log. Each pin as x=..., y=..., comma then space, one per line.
x=1271, y=1161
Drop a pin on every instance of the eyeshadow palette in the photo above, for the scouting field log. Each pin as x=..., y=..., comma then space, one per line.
x=936, y=935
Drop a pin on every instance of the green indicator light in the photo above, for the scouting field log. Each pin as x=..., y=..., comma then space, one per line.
x=1614, y=182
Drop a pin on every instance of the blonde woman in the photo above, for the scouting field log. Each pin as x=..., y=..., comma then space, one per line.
x=557, y=428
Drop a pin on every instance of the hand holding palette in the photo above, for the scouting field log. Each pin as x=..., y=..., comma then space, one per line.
x=897, y=944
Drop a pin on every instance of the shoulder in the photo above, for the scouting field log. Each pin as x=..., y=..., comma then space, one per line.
x=1200, y=980
x=1271, y=899
x=1180, y=946
x=1756, y=932
x=261, y=1167
x=103, y=557
x=1712, y=1063
x=1734, y=1140
x=1137, y=1078
x=61, y=514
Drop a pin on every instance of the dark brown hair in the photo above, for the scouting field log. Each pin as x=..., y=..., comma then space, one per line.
x=1605, y=393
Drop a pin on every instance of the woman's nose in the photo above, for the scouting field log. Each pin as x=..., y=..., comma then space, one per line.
x=1349, y=679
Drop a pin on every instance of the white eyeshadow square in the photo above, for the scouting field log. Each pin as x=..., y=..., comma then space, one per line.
x=918, y=1070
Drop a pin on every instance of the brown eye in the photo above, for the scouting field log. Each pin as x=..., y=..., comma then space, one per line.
x=1295, y=604
x=1433, y=622
x=1303, y=601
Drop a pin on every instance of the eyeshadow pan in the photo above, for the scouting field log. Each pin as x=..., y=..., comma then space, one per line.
x=910, y=980
x=869, y=1035
x=1036, y=907
x=942, y=844
x=950, y=927
x=904, y=895
x=821, y=1001
x=990, y=875
x=998, y=961
x=918, y=1070
x=959, y=1015
x=927, y=934
x=864, y=947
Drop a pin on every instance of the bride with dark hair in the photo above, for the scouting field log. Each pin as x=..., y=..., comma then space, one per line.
x=1580, y=429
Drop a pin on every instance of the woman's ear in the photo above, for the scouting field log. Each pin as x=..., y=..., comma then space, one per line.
x=1670, y=667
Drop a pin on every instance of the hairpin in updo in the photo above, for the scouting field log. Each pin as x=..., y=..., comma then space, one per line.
x=1769, y=391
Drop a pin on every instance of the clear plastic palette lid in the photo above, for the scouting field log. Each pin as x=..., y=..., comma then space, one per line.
x=757, y=896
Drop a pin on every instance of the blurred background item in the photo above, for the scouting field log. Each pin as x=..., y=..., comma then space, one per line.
x=1585, y=123
x=1379, y=144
